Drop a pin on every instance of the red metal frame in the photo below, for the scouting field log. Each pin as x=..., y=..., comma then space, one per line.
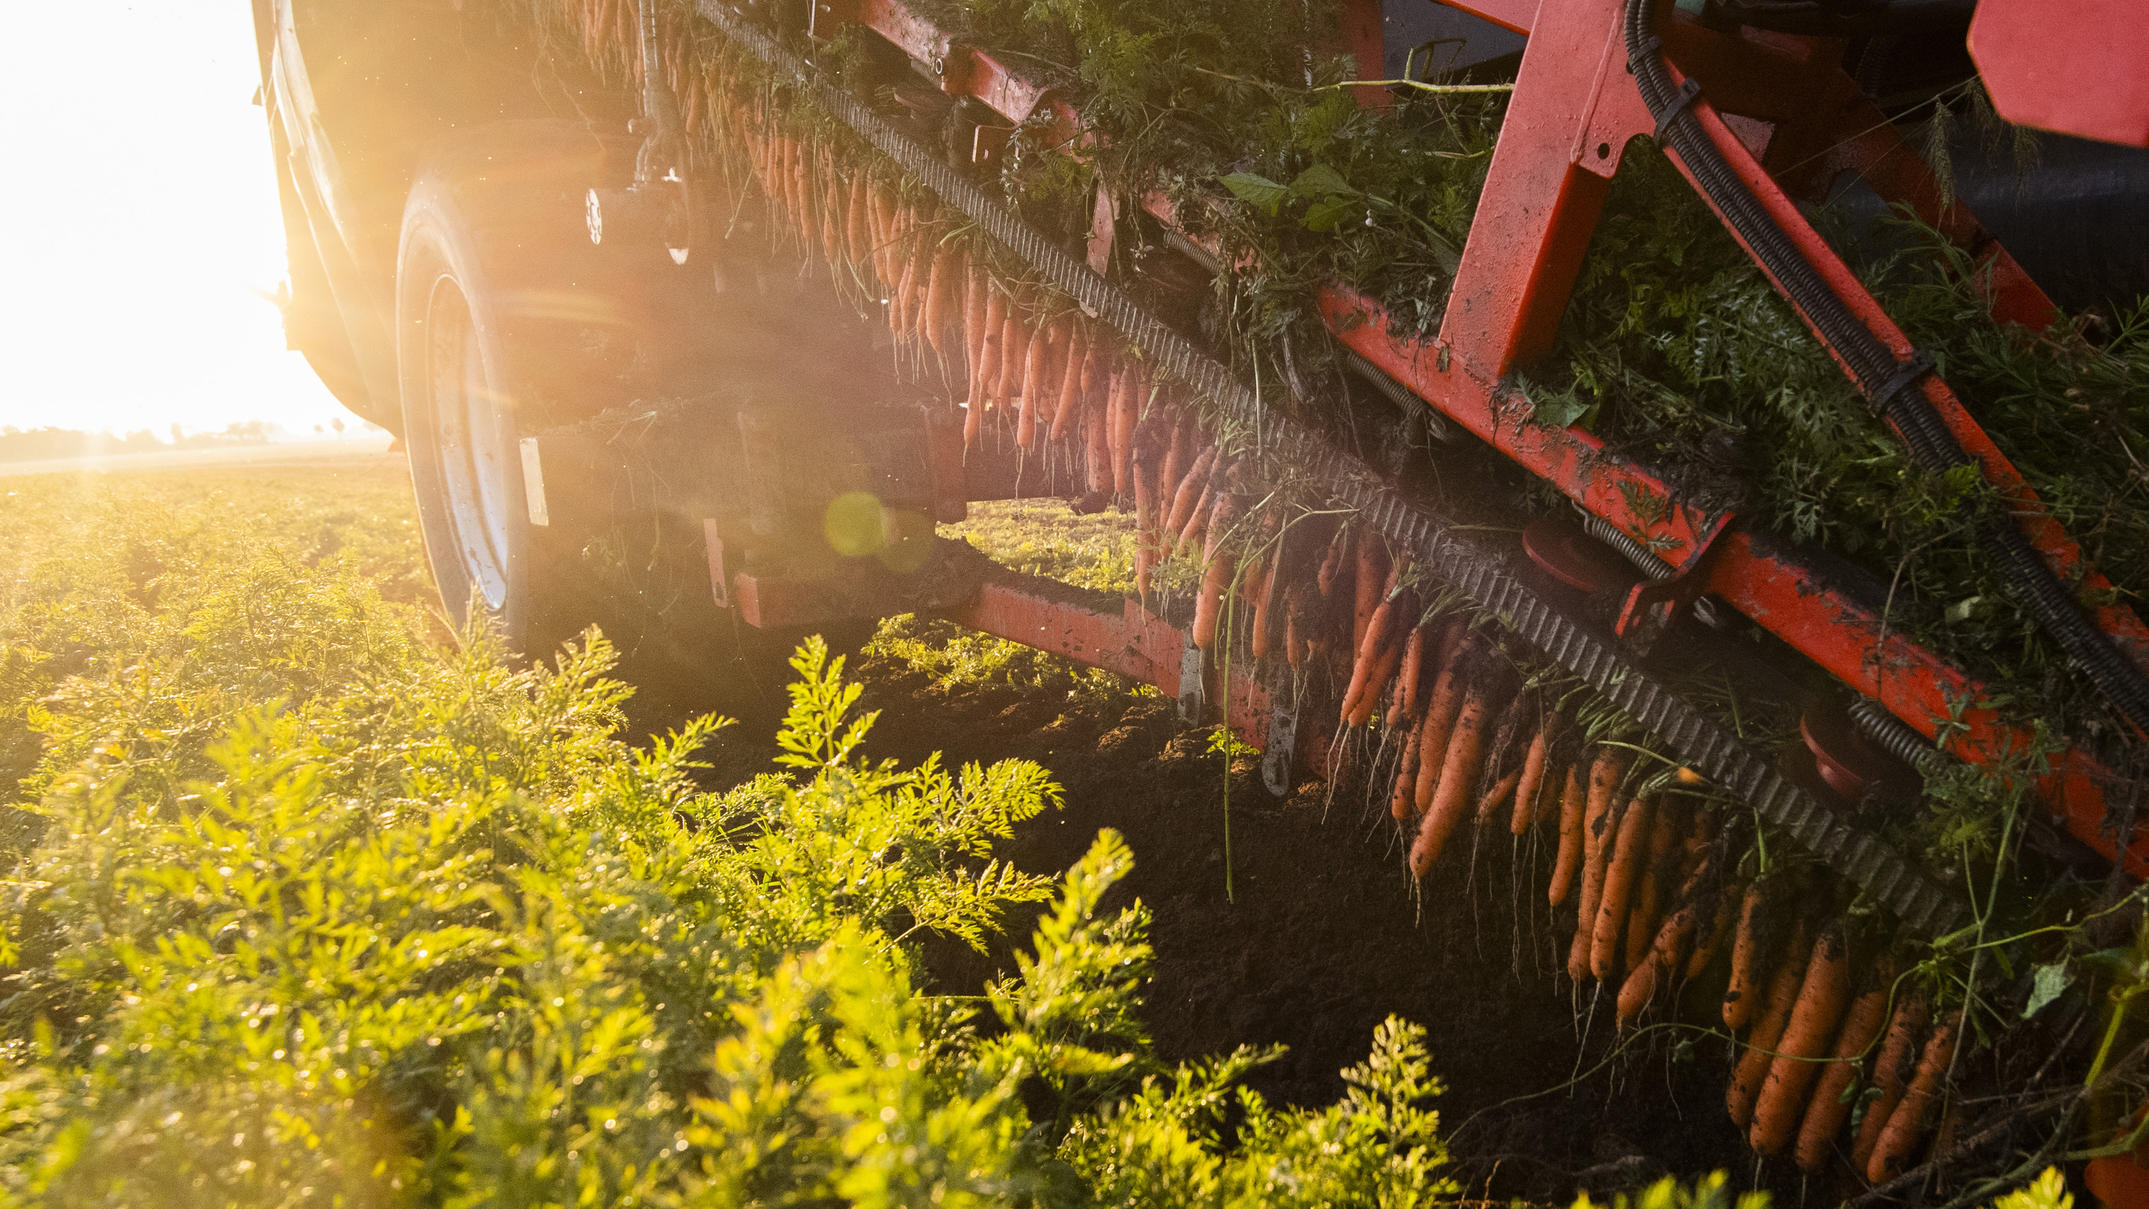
x=1572, y=114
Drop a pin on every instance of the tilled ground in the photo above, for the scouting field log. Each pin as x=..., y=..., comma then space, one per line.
x=1324, y=936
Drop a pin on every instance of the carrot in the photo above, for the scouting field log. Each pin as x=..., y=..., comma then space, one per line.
x=1372, y=577
x=1099, y=468
x=1451, y=792
x=1033, y=377
x=975, y=287
x=992, y=337
x=1712, y=942
x=1621, y=876
x=1070, y=393
x=1768, y=1029
x=1411, y=672
x=1115, y=406
x=1906, y=1125
x=1655, y=967
x=1145, y=508
x=1216, y=576
x=858, y=236
x=1822, y=998
x=1014, y=354
x=1189, y=492
x=831, y=222
x=1370, y=647
x=1384, y=666
x=1605, y=773
x=1332, y=562
x=940, y=295
x=1175, y=462
x=1569, y=860
x=1501, y=791
x=1130, y=413
x=1406, y=779
x=1190, y=538
x=1647, y=909
x=1828, y=1109
x=1532, y=781
x=1440, y=714
x=1739, y=997
x=1890, y=1074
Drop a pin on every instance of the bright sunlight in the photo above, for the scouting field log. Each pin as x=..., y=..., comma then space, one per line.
x=142, y=227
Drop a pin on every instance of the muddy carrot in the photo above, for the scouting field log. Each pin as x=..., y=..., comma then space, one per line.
x=1296, y=617
x=1712, y=941
x=1014, y=354
x=1503, y=789
x=1145, y=508
x=1115, y=407
x=1740, y=998
x=1406, y=780
x=1130, y=413
x=1569, y=860
x=1654, y=969
x=1451, y=792
x=1891, y=1073
x=1621, y=876
x=1827, y=1109
x=1440, y=713
x=1070, y=394
x=943, y=292
x=1033, y=376
x=1528, y=788
x=1216, y=576
x=1372, y=643
x=1768, y=1028
x=1189, y=492
x=1822, y=998
x=1368, y=587
x=1647, y=909
x=1906, y=1125
x=1332, y=561
x=1191, y=537
x=832, y=221
x=1412, y=671
x=858, y=234
x=1176, y=455
x=1605, y=773
x=1384, y=666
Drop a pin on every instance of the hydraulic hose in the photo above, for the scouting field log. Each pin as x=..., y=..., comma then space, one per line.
x=1894, y=389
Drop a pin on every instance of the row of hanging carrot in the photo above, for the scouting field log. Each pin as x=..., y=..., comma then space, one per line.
x=1652, y=877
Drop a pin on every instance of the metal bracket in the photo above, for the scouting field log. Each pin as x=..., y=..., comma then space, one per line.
x=1191, y=690
x=1653, y=604
x=1276, y=753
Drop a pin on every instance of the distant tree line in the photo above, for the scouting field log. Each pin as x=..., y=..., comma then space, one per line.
x=42, y=444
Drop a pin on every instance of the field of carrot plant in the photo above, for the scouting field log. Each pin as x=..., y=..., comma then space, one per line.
x=308, y=903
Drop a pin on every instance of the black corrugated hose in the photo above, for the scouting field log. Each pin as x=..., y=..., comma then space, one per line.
x=1893, y=388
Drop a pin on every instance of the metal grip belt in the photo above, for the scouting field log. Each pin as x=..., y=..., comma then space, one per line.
x=1475, y=570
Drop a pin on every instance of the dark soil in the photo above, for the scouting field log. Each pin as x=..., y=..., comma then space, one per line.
x=1325, y=936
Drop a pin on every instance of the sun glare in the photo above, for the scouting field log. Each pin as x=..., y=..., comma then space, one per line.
x=142, y=225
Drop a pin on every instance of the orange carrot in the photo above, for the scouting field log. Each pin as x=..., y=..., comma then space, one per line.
x=1189, y=493
x=1654, y=970
x=1827, y=1110
x=1531, y=785
x=1646, y=911
x=941, y=295
x=1145, y=508
x=1115, y=406
x=1384, y=666
x=1406, y=779
x=1501, y=791
x=1768, y=1029
x=1332, y=561
x=1605, y=773
x=1176, y=455
x=1440, y=713
x=1822, y=998
x=992, y=348
x=1906, y=1125
x=1216, y=576
x=1569, y=860
x=1033, y=376
x=1620, y=878
x=1412, y=671
x=1891, y=1073
x=1371, y=644
x=1130, y=413
x=1451, y=792
x=1740, y=999
x=1368, y=587
x=1014, y=354
x=1268, y=607
x=1712, y=942
x=858, y=235
x=1070, y=394
x=831, y=221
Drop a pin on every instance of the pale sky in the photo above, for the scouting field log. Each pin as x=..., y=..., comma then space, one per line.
x=137, y=217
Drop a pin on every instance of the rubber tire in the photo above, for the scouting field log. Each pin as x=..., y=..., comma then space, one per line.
x=508, y=322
